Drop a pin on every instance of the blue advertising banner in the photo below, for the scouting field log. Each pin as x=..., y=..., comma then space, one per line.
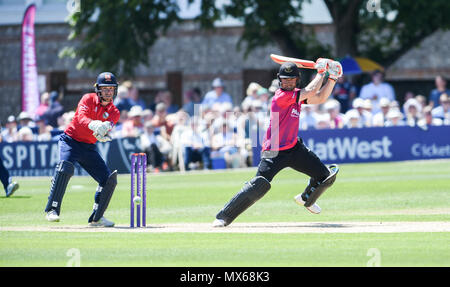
x=375, y=144
x=331, y=146
x=40, y=158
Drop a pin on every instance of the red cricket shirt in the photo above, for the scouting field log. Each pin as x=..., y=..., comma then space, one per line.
x=89, y=109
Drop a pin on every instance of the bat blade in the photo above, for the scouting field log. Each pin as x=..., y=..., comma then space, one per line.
x=305, y=64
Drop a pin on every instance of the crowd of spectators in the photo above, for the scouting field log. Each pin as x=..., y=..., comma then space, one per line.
x=210, y=129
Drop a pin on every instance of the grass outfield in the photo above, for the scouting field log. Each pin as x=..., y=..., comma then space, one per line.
x=416, y=191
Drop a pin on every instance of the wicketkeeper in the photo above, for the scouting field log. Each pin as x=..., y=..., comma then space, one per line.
x=94, y=118
x=282, y=148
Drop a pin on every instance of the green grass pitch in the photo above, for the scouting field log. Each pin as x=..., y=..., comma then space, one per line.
x=414, y=191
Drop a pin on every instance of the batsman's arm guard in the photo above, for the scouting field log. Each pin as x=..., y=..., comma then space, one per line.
x=106, y=193
x=64, y=171
x=249, y=194
x=312, y=193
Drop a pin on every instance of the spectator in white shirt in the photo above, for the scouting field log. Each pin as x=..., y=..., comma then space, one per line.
x=195, y=145
x=376, y=90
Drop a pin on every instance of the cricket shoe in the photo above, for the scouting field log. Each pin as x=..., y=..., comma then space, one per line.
x=103, y=222
x=313, y=208
x=52, y=216
x=12, y=187
x=219, y=223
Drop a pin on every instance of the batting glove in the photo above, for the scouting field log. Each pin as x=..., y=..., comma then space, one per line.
x=322, y=65
x=335, y=70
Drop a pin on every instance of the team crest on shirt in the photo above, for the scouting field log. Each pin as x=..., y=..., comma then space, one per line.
x=295, y=113
x=105, y=115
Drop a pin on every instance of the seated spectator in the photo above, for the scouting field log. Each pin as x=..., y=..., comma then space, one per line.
x=133, y=95
x=323, y=121
x=308, y=119
x=422, y=101
x=147, y=115
x=413, y=112
x=44, y=104
x=273, y=87
x=353, y=119
x=25, y=120
x=122, y=102
x=367, y=106
x=25, y=134
x=376, y=90
x=224, y=142
x=156, y=148
x=64, y=120
x=177, y=156
x=443, y=110
x=380, y=118
x=395, y=118
x=191, y=98
x=336, y=119
x=166, y=98
x=428, y=119
x=217, y=95
x=441, y=88
x=365, y=117
x=10, y=133
x=44, y=130
x=162, y=123
x=133, y=126
x=344, y=92
x=252, y=93
x=54, y=111
x=195, y=145
x=264, y=97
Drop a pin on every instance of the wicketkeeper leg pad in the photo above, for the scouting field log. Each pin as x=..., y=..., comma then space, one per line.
x=106, y=193
x=246, y=197
x=64, y=171
x=315, y=189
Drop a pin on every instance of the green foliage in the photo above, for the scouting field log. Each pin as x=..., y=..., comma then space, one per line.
x=268, y=22
x=116, y=35
x=400, y=26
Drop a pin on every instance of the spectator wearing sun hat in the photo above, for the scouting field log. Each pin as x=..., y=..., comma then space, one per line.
x=380, y=118
x=217, y=94
x=395, y=118
x=413, y=112
x=365, y=117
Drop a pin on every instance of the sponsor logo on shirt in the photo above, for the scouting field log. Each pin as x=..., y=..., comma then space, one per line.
x=295, y=113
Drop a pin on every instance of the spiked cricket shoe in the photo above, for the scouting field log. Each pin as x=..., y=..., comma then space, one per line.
x=313, y=208
x=103, y=222
x=52, y=216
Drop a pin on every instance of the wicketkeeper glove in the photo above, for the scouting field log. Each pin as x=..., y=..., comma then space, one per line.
x=335, y=70
x=322, y=65
x=105, y=138
x=99, y=127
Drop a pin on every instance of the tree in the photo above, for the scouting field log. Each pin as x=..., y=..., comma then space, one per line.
x=279, y=22
x=380, y=29
x=116, y=35
x=123, y=31
x=383, y=30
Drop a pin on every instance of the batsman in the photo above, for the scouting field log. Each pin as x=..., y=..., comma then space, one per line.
x=283, y=148
x=94, y=118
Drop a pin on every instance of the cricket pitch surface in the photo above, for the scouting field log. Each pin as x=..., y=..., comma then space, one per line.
x=257, y=227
